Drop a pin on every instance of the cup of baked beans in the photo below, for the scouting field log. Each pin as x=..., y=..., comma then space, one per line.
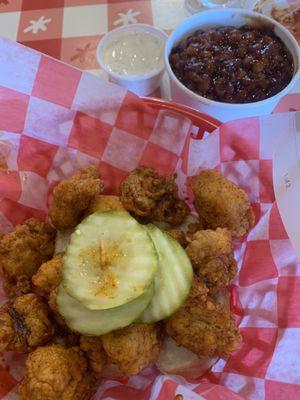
x=231, y=63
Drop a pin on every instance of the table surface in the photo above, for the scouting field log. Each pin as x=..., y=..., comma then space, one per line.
x=71, y=29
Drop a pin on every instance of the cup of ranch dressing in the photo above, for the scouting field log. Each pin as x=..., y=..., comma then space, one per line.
x=133, y=57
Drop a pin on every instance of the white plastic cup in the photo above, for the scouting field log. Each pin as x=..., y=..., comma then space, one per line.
x=228, y=17
x=142, y=85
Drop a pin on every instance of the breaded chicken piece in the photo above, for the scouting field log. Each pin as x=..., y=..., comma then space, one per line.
x=15, y=287
x=133, y=348
x=221, y=203
x=206, y=243
x=198, y=289
x=171, y=210
x=52, y=300
x=185, y=237
x=196, y=226
x=72, y=197
x=48, y=276
x=204, y=325
x=22, y=251
x=47, y=279
x=64, y=335
x=180, y=236
x=105, y=203
x=25, y=324
x=211, y=254
x=94, y=352
x=56, y=372
x=91, y=346
x=53, y=307
x=142, y=190
x=148, y=195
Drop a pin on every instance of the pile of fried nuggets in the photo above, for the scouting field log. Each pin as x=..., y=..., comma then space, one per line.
x=65, y=365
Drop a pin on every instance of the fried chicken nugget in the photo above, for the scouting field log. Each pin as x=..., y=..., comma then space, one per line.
x=25, y=324
x=221, y=203
x=198, y=289
x=48, y=276
x=22, y=251
x=147, y=194
x=72, y=197
x=105, y=203
x=91, y=346
x=17, y=286
x=211, y=254
x=53, y=307
x=171, y=210
x=133, y=348
x=46, y=280
x=93, y=350
x=204, y=325
x=56, y=372
x=180, y=236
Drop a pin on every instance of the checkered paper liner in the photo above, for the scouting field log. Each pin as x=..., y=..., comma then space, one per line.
x=55, y=119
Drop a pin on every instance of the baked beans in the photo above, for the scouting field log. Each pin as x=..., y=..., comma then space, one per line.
x=233, y=65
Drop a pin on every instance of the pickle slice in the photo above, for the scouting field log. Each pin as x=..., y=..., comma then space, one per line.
x=110, y=261
x=98, y=322
x=173, y=278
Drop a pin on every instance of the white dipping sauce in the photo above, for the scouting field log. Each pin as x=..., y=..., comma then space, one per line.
x=135, y=53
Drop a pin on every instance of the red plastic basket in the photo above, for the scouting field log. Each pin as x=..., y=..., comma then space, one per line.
x=203, y=122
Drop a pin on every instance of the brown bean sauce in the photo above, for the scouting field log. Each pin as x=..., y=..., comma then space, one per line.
x=233, y=65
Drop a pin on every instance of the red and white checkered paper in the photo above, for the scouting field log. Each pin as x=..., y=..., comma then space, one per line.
x=55, y=119
x=71, y=29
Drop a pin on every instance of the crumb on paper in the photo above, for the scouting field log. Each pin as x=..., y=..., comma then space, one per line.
x=5, y=150
x=3, y=163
